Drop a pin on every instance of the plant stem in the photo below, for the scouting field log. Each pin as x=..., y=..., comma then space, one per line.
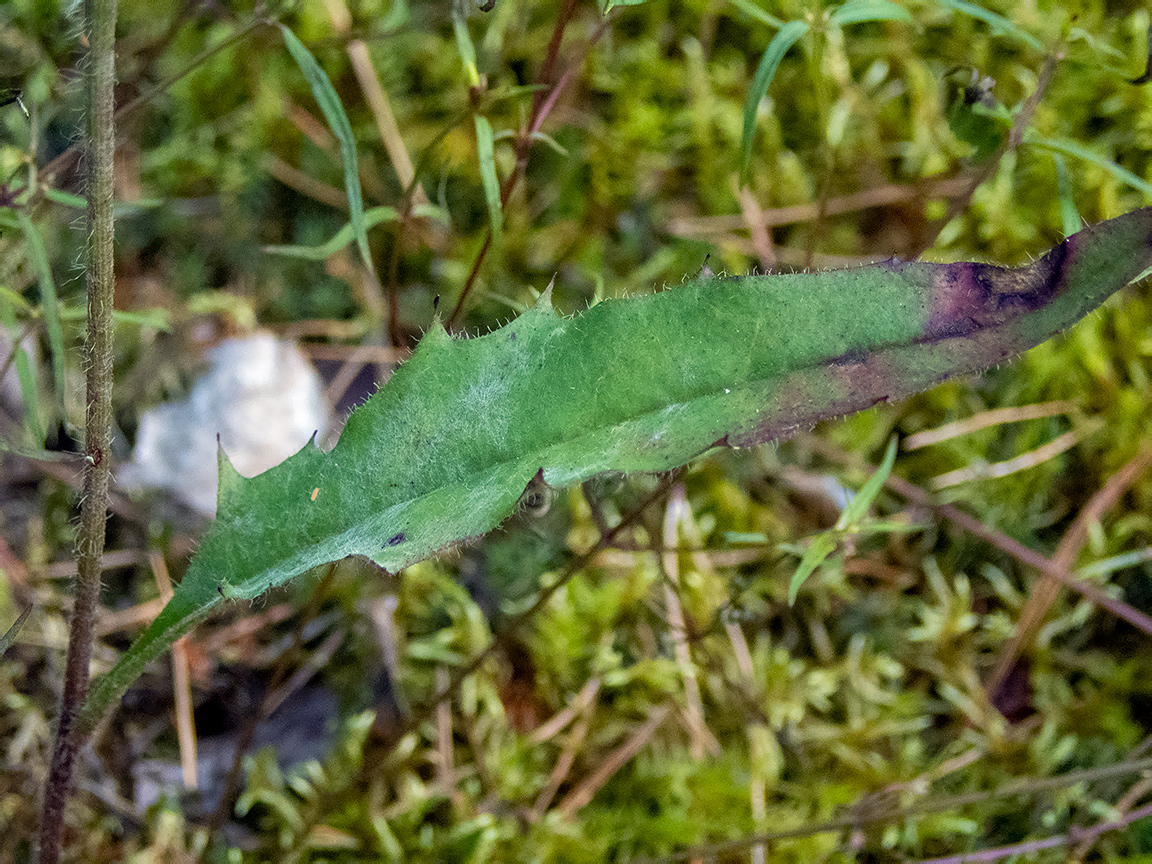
x=542, y=104
x=100, y=24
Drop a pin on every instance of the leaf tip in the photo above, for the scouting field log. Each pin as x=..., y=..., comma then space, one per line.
x=435, y=333
x=228, y=478
x=544, y=301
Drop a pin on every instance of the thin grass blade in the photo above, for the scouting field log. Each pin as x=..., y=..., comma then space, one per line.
x=487, y=153
x=329, y=101
x=788, y=36
x=50, y=306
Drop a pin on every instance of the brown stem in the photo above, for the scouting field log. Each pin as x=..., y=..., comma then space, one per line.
x=71, y=156
x=100, y=22
x=1045, y=591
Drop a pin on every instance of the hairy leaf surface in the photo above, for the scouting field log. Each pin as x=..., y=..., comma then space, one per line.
x=444, y=451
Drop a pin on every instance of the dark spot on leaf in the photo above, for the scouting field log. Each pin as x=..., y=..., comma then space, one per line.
x=952, y=330
x=851, y=357
x=512, y=337
x=395, y=540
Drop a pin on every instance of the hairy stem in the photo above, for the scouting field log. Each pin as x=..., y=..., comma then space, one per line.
x=100, y=24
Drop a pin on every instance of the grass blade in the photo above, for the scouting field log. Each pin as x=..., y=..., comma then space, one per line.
x=28, y=390
x=324, y=251
x=328, y=100
x=753, y=11
x=999, y=24
x=50, y=307
x=486, y=150
x=789, y=34
x=862, y=11
x=59, y=196
x=825, y=544
x=464, y=43
x=863, y=499
x=822, y=546
x=1071, y=148
x=12, y=632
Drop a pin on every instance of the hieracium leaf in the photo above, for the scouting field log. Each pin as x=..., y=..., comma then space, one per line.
x=444, y=451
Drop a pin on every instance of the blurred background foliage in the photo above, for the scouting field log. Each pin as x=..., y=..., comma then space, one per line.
x=667, y=698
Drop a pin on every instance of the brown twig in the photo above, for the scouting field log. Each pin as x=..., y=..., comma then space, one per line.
x=1022, y=462
x=757, y=226
x=881, y=196
x=181, y=683
x=1072, y=835
x=700, y=737
x=617, y=759
x=587, y=708
x=1045, y=591
x=994, y=417
x=995, y=538
x=1121, y=808
x=445, y=773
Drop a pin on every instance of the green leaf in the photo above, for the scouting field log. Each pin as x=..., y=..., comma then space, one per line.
x=29, y=392
x=999, y=24
x=340, y=239
x=486, y=150
x=862, y=11
x=50, y=307
x=1071, y=148
x=858, y=507
x=818, y=551
x=825, y=544
x=789, y=34
x=325, y=95
x=443, y=452
x=464, y=43
x=753, y=11
x=12, y=632
x=77, y=202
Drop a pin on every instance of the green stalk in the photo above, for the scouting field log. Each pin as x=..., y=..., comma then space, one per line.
x=100, y=25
